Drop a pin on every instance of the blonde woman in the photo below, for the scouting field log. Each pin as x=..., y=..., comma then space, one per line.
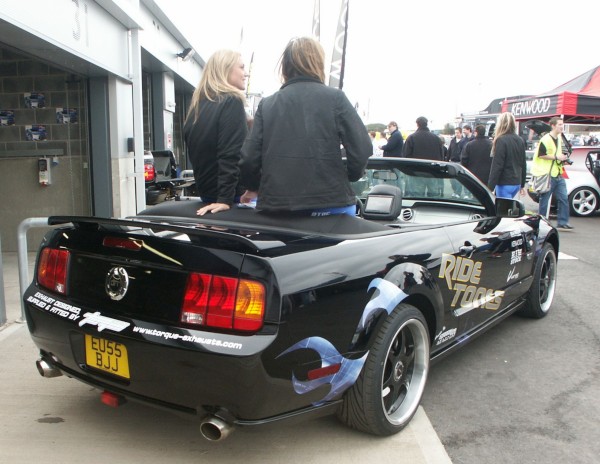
x=292, y=159
x=215, y=129
x=509, y=164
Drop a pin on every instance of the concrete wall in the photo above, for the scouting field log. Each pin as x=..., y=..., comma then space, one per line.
x=23, y=197
x=66, y=146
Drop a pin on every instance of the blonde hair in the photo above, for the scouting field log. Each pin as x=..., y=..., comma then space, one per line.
x=506, y=125
x=302, y=56
x=214, y=83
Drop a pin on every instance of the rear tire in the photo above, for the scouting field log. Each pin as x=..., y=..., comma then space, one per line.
x=541, y=293
x=388, y=391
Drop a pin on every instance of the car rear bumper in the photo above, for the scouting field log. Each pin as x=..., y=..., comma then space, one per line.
x=197, y=376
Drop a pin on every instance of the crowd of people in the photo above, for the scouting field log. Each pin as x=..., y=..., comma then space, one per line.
x=590, y=140
x=500, y=162
x=287, y=159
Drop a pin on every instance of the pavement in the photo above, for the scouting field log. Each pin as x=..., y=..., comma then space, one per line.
x=63, y=420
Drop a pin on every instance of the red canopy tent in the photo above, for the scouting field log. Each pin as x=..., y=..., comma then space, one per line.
x=577, y=101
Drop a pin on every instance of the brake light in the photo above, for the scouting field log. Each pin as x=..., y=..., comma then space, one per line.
x=121, y=242
x=149, y=172
x=223, y=302
x=52, y=269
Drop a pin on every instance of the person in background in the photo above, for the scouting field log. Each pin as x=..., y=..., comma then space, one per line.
x=476, y=155
x=215, y=129
x=377, y=152
x=457, y=144
x=292, y=160
x=548, y=158
x=423, y=144
x=468, y=134
x=509, y=164
x=444, y=147
x=395, y=141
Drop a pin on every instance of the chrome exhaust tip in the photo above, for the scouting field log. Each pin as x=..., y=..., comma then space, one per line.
x=46, y=369
x=215, y=429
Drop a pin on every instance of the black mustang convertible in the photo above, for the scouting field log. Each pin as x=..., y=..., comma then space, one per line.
x=243, y=318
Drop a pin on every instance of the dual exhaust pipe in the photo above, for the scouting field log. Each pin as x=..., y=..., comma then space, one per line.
x=212, y=428
x=46, y=369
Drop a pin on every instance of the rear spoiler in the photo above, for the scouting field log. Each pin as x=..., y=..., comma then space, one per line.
x=196, y=229
x=251, y=236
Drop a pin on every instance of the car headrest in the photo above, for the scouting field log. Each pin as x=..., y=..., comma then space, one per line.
x=384, y=202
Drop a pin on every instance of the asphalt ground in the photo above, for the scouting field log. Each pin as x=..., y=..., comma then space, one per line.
x=62, y=420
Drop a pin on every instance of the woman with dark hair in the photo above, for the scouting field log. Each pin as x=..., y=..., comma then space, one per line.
x=292, y=159
x=215, y=129
x=509, y=164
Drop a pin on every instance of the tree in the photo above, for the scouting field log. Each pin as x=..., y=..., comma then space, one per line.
x=377, y=127
x=448, y=129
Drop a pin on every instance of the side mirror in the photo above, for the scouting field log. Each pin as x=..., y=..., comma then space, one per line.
x=505, y=207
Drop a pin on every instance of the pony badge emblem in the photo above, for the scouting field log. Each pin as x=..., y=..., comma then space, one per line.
x=117, y=283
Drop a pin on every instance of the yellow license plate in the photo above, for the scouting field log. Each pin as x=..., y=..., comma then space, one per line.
x=106, y=355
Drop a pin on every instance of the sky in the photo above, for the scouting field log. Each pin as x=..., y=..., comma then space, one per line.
x=433, y=58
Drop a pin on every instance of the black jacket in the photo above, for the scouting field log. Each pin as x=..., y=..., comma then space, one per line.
x=394, y=145
x=214, y=144
x=293, y=155
x=476, y=157
x=423, y=144
x=509, y=164
x=455, y=149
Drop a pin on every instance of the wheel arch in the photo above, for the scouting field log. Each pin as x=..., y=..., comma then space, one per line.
x=424, y=305
x=420, y=290
x=552, y=239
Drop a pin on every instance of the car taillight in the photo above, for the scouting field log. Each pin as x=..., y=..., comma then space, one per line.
x=52, y=269
x=223, y=302
x=149, y=172
x=123, y=242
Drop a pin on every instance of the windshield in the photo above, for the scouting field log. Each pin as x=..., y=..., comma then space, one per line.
x=416, y=185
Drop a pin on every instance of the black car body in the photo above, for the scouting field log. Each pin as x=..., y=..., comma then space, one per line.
x=245, y=318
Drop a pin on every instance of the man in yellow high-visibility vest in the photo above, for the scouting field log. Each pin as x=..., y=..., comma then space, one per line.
x=548, y=157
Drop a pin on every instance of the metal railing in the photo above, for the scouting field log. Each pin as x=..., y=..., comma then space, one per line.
x=22, y=254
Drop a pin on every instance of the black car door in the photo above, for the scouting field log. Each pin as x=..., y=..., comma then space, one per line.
x=483, y=274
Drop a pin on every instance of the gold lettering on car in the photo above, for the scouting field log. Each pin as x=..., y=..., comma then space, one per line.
x=462, y=275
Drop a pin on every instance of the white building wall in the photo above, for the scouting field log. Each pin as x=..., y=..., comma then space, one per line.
x=157, y=40
x=80, y=27
x=123, y=162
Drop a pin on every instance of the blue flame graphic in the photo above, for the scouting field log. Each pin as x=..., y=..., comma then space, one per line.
x=387, y=297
